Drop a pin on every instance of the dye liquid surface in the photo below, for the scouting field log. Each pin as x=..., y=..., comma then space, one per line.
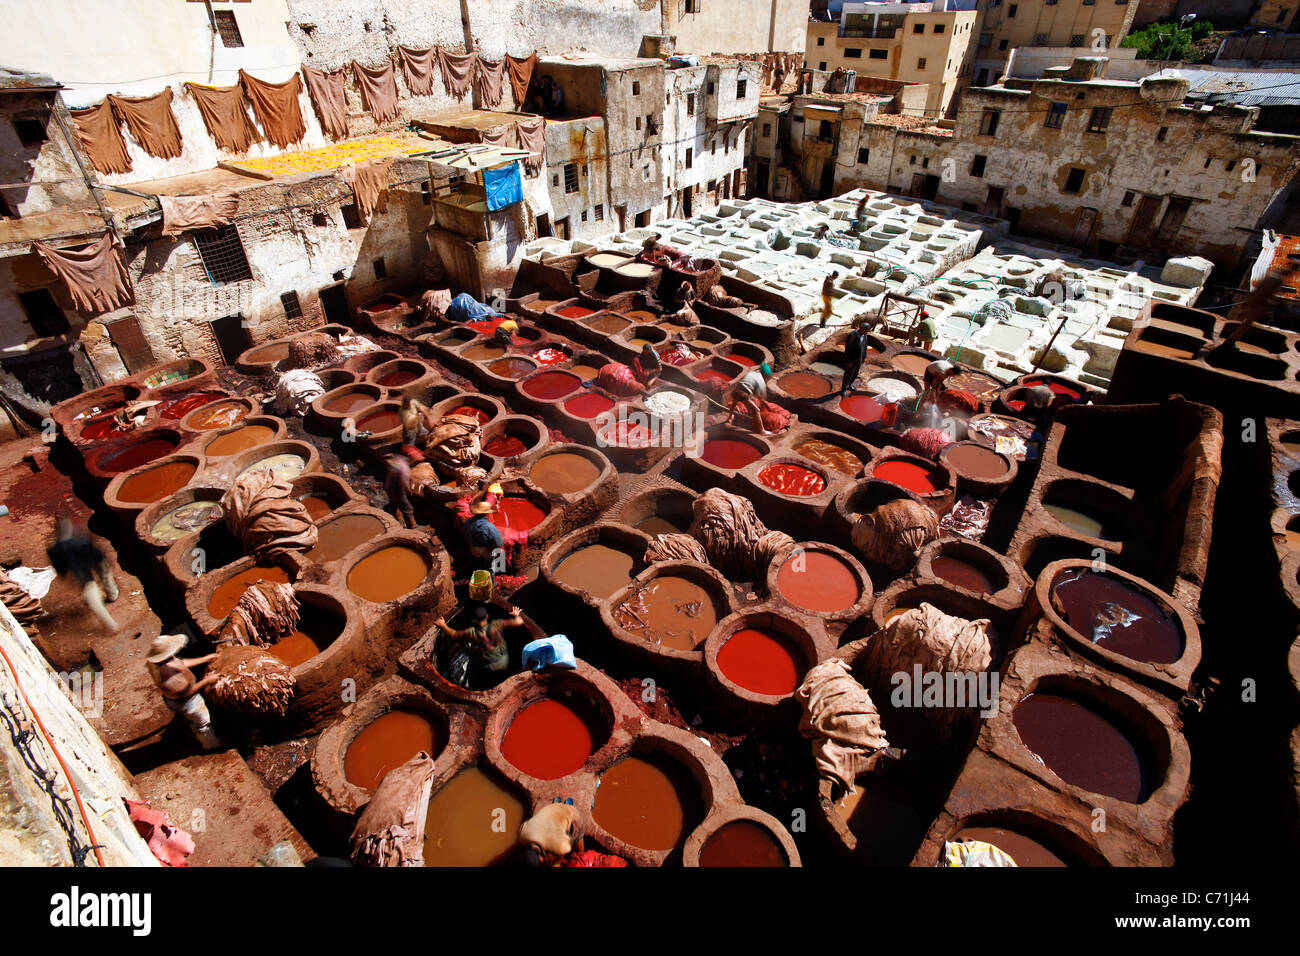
x=1117, y=617
x=600, y=570
x=387, y=574
x=961, y=573
x=472, y=821
x=387, y=743
x=549, y=739
x=742, y=843
x=648, y=801
x=762, y=662
x=907, y=474
x=730, y=453
x=817, y=581
x=670, y=611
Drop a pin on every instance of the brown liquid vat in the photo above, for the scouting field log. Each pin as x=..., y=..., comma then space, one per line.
x=199, y=596
x=979, y=477
x=228, y=441
x=1173, y=679
x=404, y=615
x=334, y=408
x=326, y=491
x=734, y=813
x=716, y=587
x=403, y=376
x=132, y=491
x=146, y=519
x=573, y=473
x=365, y=361
x=804, y=638
x=262, y=358
x=1011, y=585
x=328, y=772
x=608, y=533
x=343, y=531
x=662, y=508
x=349, y=654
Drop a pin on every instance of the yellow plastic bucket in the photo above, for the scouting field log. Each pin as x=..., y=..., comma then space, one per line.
x=480, y=586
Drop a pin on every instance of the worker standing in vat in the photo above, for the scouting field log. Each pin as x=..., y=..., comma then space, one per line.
x=925, y=332
x=856, y=347
x=481, y=535
x=483, y=639
x=181, y=692
x=397, y=485
x=860, y=216
x=80, y=557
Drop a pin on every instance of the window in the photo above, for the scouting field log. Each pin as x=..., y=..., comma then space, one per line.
x=425, y=195
x=912, y=161
x=879, y=54
x=853, y=53
x=381, y=269
x=711, y=185
x=713, y=147
x=989, y=122
x=1229, y=165
x=920, y=64
x=690, y=104
x=584, y=169
x=1002, y=44
x=1089, y=3
x=767, y=130
x=570, y=177
x=1074, y=180
x=1040, y=39
x=292, y=306
x=222, y=253
x=599, y=212
x=690, y=156
x=918, y=27
x=636, y=88
x=583, y=217
x=1128, y=198
x=692, y=6
x=1011, y=10
x=555, y=180
x=821, y=41
x=638, y=122
x=1076, y=39
x=43, y=313
x=650, y=127
x=742, y=86
x=227, y=29
x=977, y=166
x=939, y=28
x=1160, y=134
x=986, y=39
x=925, y=163
x=864, y=155
x=983, y=77
x=30, y=130
x=1208, y=160
x=351, y=216
x=1099, y=120
x=822, y=66
x=826, y=130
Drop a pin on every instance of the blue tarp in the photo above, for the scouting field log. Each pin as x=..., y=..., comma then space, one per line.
x=466, y=308
x=504, y=186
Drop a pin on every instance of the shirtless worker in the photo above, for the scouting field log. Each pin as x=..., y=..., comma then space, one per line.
x=397, y=485
x=181, y=692
x=486, y=645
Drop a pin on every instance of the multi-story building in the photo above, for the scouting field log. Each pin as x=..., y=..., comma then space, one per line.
x=907, y=42
x=1004, y=25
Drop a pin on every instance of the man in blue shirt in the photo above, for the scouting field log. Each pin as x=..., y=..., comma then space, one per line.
x=482, y=536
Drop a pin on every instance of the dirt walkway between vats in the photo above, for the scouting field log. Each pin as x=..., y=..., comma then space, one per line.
x=70, y=636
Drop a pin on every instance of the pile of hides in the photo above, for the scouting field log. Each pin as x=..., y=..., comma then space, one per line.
x=925, y=441
x=969, y=518
x=25, y=608
x=895, y=533
x=939, y=643
x=454, y=447
x=994, y=310
x=369, y=182
x=675, y=547
x=958, y=401
x=313, y=350
x=619, y=379
x=251, y=681
x=391, y=829
x=263, y=515
x=267, y=611
x=170, y=844
x=434, y=303
x=737, y=543
x=296, y=390
x=841, y=720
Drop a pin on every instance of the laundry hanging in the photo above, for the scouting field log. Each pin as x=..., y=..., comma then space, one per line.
x=95, y=276
x=369, y=182
x=457, y=71
x=151, y=122
x=329, y=96
x=101, y=138
x=418, y=67
x=491, y=82
x=225, y=113
x=378, y=90
x=180, y=213
x=531, y=135
x=521, y=76
x=277, y=108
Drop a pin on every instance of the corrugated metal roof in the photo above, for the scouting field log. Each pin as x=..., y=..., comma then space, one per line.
x=1253, y=88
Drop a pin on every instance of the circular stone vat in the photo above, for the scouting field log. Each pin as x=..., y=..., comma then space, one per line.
x=1027, y=838
x=899, y=386
x=553, y=737
x=512, y=436
x=97, y=403
x=677, y=608
x=214, y=415
x=286, y=459
x=607, y=323
x=380, y=420
x=831, y=455
x=984, y=387
x=1117, y=616
x=914, y=363
x=472, y=820
x=551, y=354
x=965, y=564
x=819, y=578
x=398, y=373
x=345, y=402
x=339, y=535
x=388, y=573
x=792, y=480
x=226, y=595
x=185, y=513
x=728, y=450
x=249, y=434
x=390, y=741
x=512, y=367
x=805, y=385
x=155, y=481
x=977, y=466
x=598, y=568
x=1085, y=744
x=469, y=404
x=589, y=405
x=363, y=363
x=762, y=660
x=134, y=453
x=648, y=800
x=1088, y=509
x=912, y=473
x=641, y=335
x=321, y=493
x=566, y=472
x=587, y=365
x=550, y=386
x=865, y=408
x=659, y=511
x=483, y=351
x=321, y=620
x=743, y=843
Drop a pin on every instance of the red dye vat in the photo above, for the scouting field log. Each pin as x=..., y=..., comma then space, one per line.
x=505, y=446
x=794, y=480
x=473, y=412
x=589, y=405
x=1016, y=405
x=574, y=312
x=626, y=435
x=740, y=359
x=551, y=385
x=133, y=456
x=178, y=408
x=730, y=453
x=908, y=474
x=517, y=514
x=712, y=375
x=549, y=356
x=1056, y=387
x=397, y=378
x=862, y=407
x=761, y=662
x=102, y=427
x=548, y=740
x=817, y=581
x=486, y=326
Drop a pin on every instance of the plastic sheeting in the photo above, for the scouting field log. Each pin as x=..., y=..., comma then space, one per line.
x=504, y=186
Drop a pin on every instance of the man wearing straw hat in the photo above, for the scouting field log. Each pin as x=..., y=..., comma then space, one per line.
x=181, y=692
x=481, y=535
